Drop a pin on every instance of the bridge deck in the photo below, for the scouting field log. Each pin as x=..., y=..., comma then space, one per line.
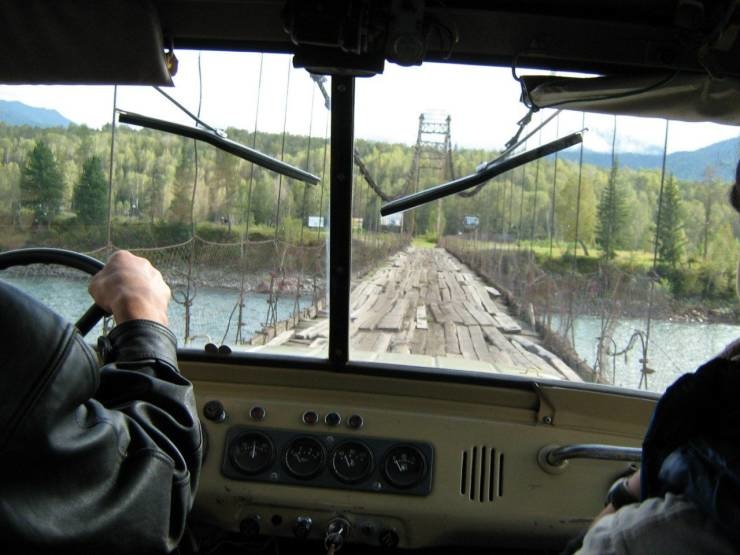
x=425, y=308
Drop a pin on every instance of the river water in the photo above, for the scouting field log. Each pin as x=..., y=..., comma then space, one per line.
x=675, y=347
x=209, y=315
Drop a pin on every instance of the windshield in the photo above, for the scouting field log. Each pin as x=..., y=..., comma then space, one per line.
x=610, y=262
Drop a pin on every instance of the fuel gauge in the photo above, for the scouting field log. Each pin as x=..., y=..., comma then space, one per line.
x=404, y=466
x=352, y=462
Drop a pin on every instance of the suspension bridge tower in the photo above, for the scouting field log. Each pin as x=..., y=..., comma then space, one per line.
x=432, y=163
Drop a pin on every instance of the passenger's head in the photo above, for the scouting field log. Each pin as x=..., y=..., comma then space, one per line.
x=735, y=191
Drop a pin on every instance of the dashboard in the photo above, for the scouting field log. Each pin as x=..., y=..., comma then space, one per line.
x=403, y=462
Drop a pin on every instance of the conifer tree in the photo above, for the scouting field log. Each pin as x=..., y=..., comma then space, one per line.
x=42, y=185
x=611, y=214
x=670, y=234
x=91, y=193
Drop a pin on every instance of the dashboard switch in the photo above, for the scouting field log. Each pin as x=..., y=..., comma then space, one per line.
x=214, y=410
x=302, y=527
x=250, y=526
x=333, y=418
x=388, y=538
x=257, y=413
x=355, y=422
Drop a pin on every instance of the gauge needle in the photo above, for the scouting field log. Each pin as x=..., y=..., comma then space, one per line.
x=347, y=461
x=400, y=466
x=253, y=454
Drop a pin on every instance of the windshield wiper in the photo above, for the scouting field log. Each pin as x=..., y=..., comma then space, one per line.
x=227, y=145
x=486, y=173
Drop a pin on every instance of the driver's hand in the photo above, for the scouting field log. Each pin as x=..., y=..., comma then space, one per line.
x=130, y=288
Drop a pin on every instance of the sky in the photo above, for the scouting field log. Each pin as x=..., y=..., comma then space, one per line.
x=483, y=103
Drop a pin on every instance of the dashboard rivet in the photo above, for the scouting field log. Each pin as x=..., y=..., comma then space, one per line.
x=274, y=476
x=257, y=413
x=547, y=419
x=333, y=419
x=377, y=486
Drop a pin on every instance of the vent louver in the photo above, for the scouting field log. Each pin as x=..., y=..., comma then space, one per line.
x=481, y=474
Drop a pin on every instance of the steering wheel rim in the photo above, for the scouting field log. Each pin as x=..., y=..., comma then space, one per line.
x=62, y=257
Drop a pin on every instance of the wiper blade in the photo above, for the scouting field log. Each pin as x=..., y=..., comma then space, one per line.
x=227, y=145
x=488, y=172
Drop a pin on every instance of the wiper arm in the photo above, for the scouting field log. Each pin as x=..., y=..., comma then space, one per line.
x=486, y=173
x=227, y=145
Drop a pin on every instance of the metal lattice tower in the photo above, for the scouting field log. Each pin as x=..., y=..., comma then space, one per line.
x=432, y=161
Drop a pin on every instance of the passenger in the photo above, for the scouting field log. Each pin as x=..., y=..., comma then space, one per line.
x=689, y=481
x=95, y=459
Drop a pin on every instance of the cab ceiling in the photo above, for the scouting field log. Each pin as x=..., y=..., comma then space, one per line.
x=46, y=41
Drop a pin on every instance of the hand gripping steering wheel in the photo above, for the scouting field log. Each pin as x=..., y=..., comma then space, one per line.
x=71, y=259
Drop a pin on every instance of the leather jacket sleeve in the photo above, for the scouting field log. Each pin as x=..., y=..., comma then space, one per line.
x=92, y=459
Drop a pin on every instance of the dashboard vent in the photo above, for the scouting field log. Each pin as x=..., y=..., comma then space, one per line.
x=481, y=474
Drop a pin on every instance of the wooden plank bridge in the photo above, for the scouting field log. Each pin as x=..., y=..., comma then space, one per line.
x=425, y=308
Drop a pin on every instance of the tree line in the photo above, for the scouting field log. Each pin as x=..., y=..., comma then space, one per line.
x=54, y=176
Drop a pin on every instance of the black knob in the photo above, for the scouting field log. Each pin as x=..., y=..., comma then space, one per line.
x=250, y=527
x=214, y=410
x=388, y=538
x=302, y=527
x=333, y=418
x=310, y=417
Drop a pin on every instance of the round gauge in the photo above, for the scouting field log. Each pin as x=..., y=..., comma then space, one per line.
x=304, y=457
x=404, y=466
x=351, y=462
x=251, y=452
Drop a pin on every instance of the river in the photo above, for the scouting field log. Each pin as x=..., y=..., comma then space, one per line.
x=675, y=347
x=208, y=318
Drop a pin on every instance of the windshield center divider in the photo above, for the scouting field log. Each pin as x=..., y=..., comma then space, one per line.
x=340, y=216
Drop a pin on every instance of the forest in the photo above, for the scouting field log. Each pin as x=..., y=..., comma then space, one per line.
x=54, y=183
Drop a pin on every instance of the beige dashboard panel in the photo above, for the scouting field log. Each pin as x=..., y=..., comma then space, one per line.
x=506, y=497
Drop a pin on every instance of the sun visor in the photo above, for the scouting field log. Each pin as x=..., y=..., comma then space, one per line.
x=675, y=96
x=81, y=42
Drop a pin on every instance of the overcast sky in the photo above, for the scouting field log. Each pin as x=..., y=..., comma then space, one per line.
x=482, y=102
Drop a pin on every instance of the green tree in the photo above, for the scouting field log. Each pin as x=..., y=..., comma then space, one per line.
x=91, y=193
x=670, y=235
x=42, y=186
x=611, y=215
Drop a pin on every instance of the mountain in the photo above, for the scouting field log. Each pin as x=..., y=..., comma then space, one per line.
x=689, y=166
x=16, y=113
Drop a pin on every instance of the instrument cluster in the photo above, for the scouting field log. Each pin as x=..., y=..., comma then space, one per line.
x=328, y=460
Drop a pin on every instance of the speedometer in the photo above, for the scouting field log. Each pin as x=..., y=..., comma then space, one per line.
x=404, y=466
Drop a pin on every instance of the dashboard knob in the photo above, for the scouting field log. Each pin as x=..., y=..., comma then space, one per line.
x=388, y=538
x=302, y=527
x=214, y=410
x=250, y=526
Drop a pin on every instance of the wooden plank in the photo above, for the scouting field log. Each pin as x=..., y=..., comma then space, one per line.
x=393, y=320
x=535, y=362
x=452, y=344
x=479, y=344
x=319, y=329
x=467, y=318
x=466, y=343
x=493, y=291
x=439, y=315
x=481, y=317
x=553, y=360
x=421, y=317
x=506, y=323
x=435, y=343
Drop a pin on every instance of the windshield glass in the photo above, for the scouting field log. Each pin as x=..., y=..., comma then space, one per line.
x=557, y=269
x=242, y=247
x=610, y=262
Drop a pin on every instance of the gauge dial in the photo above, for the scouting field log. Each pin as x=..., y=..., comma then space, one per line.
x=351, y=462
x=304, y=458
x=251, y=452
x=404, y=466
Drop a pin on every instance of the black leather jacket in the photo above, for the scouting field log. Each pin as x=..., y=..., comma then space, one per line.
x=92, y=459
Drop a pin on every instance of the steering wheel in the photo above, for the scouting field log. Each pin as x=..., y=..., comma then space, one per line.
x=71, y=259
